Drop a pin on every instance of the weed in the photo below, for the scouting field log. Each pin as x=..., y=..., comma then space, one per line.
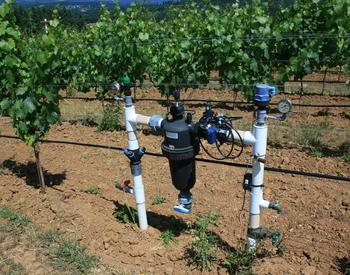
x=316, y=152
x=158, y=199
x=309, y=136
x=110, y=119
x=346, y=157
x=201, y=251
x=18, y=220
x=168, y=237
x=95, y=190
x=240, y=260
x=68, y=254
x=9, y=267
x=280, y=249
x=176, y=225
x=49, y=238
x=274, y=141
x=203, y=222
x=126, y=214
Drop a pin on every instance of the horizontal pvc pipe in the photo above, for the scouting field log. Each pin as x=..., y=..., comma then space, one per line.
x=247, y=137
x=234, y=164
x=141, y=119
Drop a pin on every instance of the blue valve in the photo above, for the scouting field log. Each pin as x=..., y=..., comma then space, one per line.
x=263, y=94
x=211, y=138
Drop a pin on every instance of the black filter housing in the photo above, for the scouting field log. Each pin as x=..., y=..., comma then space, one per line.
x=180, y=146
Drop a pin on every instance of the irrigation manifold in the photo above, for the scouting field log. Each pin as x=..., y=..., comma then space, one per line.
x=183, y=139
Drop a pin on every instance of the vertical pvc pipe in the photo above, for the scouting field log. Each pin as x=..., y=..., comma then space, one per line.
x=256, y=194
x=139, y=193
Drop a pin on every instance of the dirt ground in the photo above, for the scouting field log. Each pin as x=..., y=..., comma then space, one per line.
x=315, y=221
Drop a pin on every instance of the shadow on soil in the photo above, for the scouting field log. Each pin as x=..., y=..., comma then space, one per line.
x=29, y=173
x=343, y=264
x=159, y=221
x=174, y=224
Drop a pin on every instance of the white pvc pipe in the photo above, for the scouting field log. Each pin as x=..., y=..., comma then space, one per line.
x=133, y=118
x=141, y=119
x=260, y=134
x=247, y=137
x=256, y=195
x=130, y=126
x=139, y=193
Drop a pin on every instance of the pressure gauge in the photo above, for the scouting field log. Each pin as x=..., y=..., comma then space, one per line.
x=284, y=106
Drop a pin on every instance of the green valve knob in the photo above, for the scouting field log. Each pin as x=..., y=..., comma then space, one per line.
x=276, y=237
x=126, y=80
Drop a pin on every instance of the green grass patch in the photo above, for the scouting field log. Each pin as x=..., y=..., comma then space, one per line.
x=9, y=267
x=16, y=219
x=158, y=199
x=316, y=152
x=201, y=250
x=49, y=237
x=168, y=237
x=240, y=261
x=67, y=255
x=346, y=157
x=95, y=190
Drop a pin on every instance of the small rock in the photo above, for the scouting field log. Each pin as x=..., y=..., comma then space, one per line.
x=106, y=245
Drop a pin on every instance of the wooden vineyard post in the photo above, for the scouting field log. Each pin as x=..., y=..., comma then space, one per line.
x=39, y=168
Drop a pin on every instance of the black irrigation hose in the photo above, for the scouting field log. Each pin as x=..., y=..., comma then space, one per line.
x=216, y=101
x=235, y=164
x=317, y=81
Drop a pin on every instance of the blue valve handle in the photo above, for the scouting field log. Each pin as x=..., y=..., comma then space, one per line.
x=263, y=94
x=212, y=135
